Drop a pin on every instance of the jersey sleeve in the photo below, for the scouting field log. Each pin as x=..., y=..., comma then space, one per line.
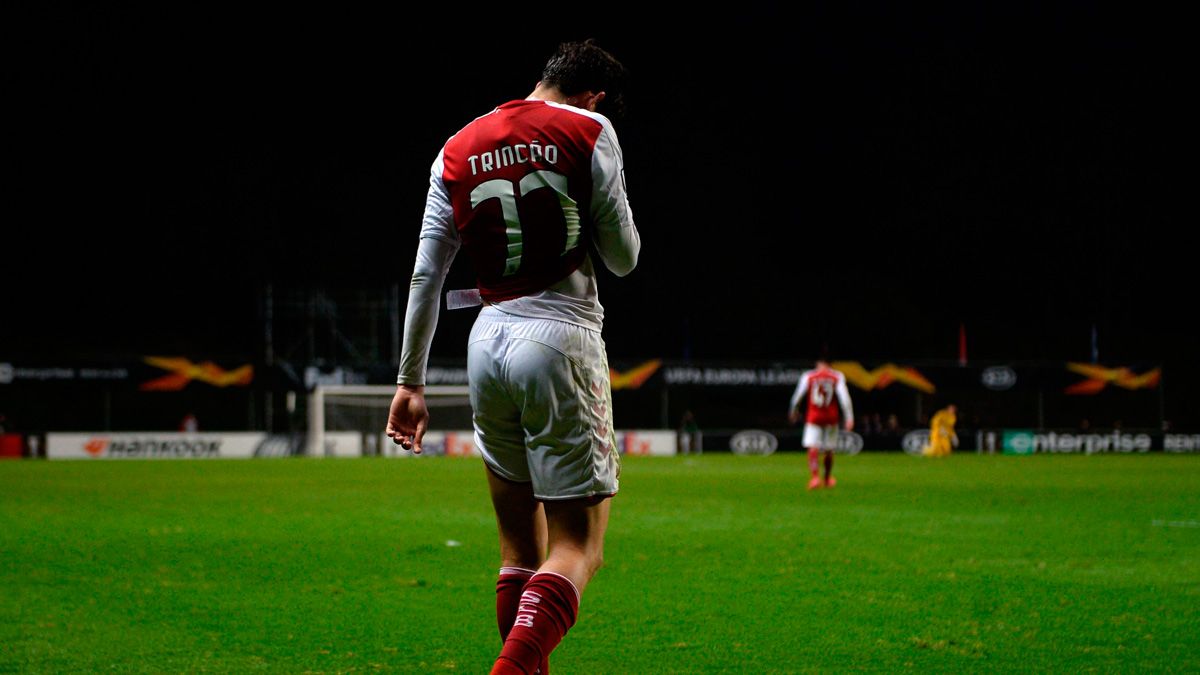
x=438, y=221
x=801, y=391
x=435, y=254
x=615, y=234
x=843, y=394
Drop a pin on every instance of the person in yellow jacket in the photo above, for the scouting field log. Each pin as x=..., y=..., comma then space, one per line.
x=942, y=437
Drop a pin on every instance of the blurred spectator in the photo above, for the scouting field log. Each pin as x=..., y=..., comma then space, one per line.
x=3, y=423
x=687, y=440
x=189, y=424
x=892, y=428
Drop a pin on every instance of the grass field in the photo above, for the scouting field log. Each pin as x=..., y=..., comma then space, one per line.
x=716, y=564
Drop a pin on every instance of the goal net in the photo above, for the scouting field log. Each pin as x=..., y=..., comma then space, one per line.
x=358, y=414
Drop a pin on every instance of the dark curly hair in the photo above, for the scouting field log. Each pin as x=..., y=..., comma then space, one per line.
x=584, y=66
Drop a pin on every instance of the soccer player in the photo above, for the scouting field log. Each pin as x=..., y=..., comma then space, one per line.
x=942, y=436
x=828, y=405
x=533, y=190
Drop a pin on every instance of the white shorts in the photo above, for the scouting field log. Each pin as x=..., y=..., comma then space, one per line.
x=542, y=404
x=821, y=437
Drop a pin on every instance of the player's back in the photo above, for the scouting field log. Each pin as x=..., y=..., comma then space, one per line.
x=520, y=185
x=822, y=396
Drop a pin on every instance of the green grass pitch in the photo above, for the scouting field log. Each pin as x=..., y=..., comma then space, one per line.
x=715, y=564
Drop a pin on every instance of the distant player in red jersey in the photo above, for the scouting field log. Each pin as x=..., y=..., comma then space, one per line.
x=828, y=405
x=532, y=190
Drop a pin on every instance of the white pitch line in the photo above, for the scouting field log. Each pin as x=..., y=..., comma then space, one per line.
x=1175, y=523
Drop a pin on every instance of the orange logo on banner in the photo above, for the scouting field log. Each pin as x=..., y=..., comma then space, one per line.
x=635, y=445
x=456, y=447
x=1100, y=377
x=635, y=377
x=883, y=376
x=184, y=371
x=96, y=446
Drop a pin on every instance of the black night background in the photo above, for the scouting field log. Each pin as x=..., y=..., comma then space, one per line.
x=867, y=177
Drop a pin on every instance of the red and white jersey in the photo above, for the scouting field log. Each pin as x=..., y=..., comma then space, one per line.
x=524, y=188
x=827, y=395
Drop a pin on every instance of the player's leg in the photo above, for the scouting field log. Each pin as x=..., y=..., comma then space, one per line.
x=812, y=443
x=928, y=450
x=521, y=522
x=576, y=530
x=935, y=445
x=520, y=518
x=561, y=375
x=830, y=443
x=814, y=468
x=550, y=600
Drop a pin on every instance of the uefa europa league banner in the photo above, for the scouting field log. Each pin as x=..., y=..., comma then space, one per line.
x=1052, y=377
x=150, y=373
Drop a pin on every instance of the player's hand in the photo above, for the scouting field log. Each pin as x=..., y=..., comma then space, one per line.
x=408, y=417
x=793, y=417
x=849, y=425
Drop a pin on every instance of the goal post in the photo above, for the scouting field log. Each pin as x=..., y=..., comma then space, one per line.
x=363, y=409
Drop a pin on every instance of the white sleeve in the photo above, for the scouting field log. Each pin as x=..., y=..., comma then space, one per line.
x=438, y=221
x=614, y=233
x=435, y=254
x=843, y=394
x=801, y=391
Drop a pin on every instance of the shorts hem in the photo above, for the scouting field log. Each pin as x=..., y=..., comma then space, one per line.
x=586, y=495
x=502, y=474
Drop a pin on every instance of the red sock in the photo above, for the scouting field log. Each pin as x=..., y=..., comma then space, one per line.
x=814, y=466
x=828, y=465
x=549, y=606
x=508, y=596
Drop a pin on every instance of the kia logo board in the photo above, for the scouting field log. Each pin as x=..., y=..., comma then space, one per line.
x=849, y=443
x=999, y=378
x=753, y=442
